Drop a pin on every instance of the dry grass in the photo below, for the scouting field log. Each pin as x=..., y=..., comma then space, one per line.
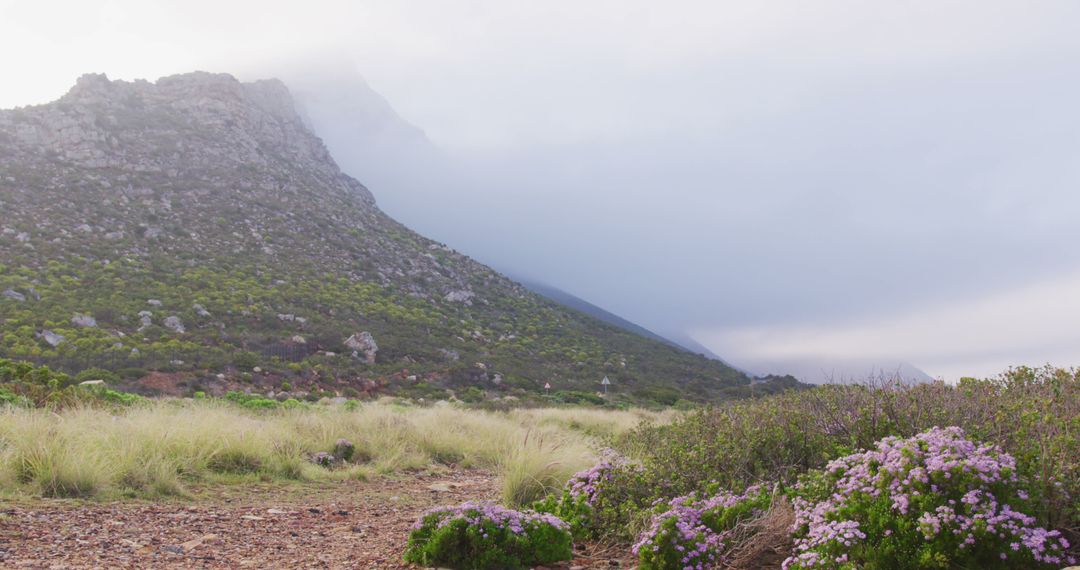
x=157, y=448
x=764, y=543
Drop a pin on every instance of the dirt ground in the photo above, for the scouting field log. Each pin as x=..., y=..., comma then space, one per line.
x=349, y=524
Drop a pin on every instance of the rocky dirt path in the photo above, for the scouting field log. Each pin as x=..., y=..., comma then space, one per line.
x=330, y=525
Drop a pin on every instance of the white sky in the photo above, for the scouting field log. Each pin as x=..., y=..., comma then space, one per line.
x=780, y=178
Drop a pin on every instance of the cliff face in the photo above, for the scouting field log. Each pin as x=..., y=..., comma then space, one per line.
x=202, y=228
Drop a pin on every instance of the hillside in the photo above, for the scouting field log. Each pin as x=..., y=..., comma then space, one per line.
x=579, y=304
x=193, y=233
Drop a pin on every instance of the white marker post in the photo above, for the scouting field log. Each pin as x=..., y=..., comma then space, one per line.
x=605, y=383
x=547, y=386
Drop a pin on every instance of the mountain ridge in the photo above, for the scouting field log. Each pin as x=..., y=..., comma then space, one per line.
x=196, y=227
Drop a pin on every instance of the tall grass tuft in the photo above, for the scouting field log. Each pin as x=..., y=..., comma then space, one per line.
x=540, y=465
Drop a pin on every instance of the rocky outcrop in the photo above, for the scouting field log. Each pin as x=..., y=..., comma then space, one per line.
x=80, y=320
x=174, y=324
x=51, y=338
x=363, y=344
x=461, y=296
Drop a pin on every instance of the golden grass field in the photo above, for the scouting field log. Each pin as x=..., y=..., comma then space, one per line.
x=158, y=448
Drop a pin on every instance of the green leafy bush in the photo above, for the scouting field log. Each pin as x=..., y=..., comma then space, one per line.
x=254, y=401
x=91, y=374
x=481, y=536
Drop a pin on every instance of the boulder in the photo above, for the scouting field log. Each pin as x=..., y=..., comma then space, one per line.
x=200, y=310
x=14, y=295
x=53, y=339
x=174, y=324
x=363, y=343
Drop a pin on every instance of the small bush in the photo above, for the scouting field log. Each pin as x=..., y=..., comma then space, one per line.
x=936, y=500
x=608, y=500
x=91, y=374
x=693, y=532
x=478, y=536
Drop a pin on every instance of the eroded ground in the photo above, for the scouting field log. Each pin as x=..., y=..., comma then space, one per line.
x=348, y=524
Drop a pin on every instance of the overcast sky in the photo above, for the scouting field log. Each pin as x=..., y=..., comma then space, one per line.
x=782, y=180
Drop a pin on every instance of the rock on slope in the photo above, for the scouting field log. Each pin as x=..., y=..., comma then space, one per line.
x=196, y=226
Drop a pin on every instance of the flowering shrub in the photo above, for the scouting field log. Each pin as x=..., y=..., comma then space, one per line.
x=599, y=499
x=936, y=500
x=478, y=536
x=696, y=533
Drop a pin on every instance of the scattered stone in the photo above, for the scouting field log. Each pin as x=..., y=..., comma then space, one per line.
x=81, y=320
x=200, y=310
x=153, y=302
x=324, y=459
x=92, y=383
x=173, y=323
x=14, y=295
x=298, y=339
x=462, y=296
x=144, y=319
x=344, y=450
x=195, y=543
x=53, y=339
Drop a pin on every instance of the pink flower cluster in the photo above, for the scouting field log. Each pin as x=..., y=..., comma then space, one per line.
x=684, y=527
x=943, y=482
x=480, y=513
x=588, y=484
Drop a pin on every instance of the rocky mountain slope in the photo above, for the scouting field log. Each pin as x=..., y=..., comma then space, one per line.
x=193, y=233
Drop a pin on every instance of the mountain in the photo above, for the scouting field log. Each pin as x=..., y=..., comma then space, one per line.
x=579, y=304
x=840, y=371
x=194, y=233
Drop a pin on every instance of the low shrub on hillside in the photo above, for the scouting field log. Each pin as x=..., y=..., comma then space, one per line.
x=26, y=385
x=604, y=501
x=1032, y=414
x=480, y=536
x=692, y=532
x=936, y=500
